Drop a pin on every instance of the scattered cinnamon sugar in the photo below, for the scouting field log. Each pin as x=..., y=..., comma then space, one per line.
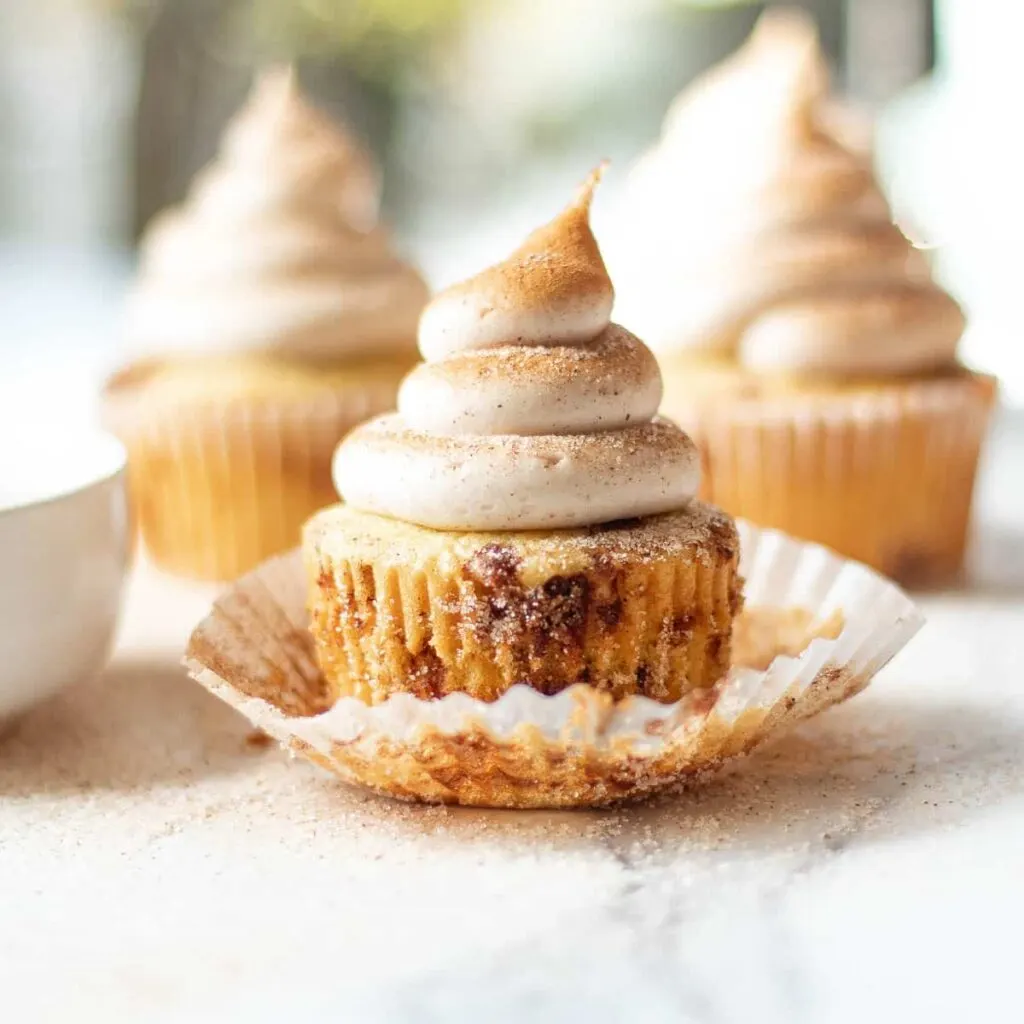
x=259, y=740
x=616, y=355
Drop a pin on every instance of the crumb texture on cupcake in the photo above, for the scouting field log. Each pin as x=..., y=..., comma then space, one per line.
x=643, y=607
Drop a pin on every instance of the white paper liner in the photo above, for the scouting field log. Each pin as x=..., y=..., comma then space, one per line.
x=576, y=748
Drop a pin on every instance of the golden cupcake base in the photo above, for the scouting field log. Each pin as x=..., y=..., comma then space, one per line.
x=820, y=629
x=882, y=472
x=640, y=607
x=228, y=457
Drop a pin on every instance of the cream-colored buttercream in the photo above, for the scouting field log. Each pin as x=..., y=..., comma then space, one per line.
x=757, y=227
x=533, y=412
x=277, y=247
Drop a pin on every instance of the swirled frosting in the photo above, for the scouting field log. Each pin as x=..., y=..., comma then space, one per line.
x=756, y=227
x=532, y=411
x=277, y=247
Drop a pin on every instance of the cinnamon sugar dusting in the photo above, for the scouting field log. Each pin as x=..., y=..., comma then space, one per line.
x=642, y=607
x=558, y=261
x=532, y=411
x=617, y=365
x=609, y=382
x=647, y=444
x=257, y=739
x=394, y=544
x=560, y=257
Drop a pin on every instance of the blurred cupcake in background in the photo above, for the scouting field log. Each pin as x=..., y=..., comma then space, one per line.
x=270, y=316
x=803, y=341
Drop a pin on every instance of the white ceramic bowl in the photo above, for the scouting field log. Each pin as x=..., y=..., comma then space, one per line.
x=64, y=546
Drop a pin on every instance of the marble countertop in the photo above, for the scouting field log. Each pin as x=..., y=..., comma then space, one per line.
x=159, y=863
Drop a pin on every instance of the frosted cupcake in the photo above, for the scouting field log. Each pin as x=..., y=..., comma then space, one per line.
x=524, y=517
x=269, y=317
x=802, y=338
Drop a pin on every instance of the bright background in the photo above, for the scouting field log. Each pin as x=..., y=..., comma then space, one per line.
x=483, y=113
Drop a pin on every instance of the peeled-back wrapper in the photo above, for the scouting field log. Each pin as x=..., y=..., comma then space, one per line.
x=815, y=631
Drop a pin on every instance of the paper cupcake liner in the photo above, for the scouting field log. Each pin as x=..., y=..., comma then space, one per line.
x=578, y=748
x=887, y=478
x=409, y=622
x=216, y=489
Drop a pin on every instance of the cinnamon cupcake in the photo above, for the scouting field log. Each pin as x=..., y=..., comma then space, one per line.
x=524, y=517
x=802, y=338
x=270, y=316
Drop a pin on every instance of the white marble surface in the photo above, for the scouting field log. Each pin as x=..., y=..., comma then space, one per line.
x=155, y=865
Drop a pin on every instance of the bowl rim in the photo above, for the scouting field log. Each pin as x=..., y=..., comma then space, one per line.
x=113, y=459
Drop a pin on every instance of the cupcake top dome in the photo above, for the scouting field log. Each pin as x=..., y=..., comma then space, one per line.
x=756, y=228
x=532, y=411
x=277, y=248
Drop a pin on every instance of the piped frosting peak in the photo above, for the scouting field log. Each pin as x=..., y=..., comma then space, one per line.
x=553, y=289
x=774, y=83
x=532, y=410
x=279, y=125
x=277, y=246
x=757, y=228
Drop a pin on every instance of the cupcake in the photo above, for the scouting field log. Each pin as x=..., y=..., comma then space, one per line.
x=270, y=316
x=802, y=338
x=524, y=518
